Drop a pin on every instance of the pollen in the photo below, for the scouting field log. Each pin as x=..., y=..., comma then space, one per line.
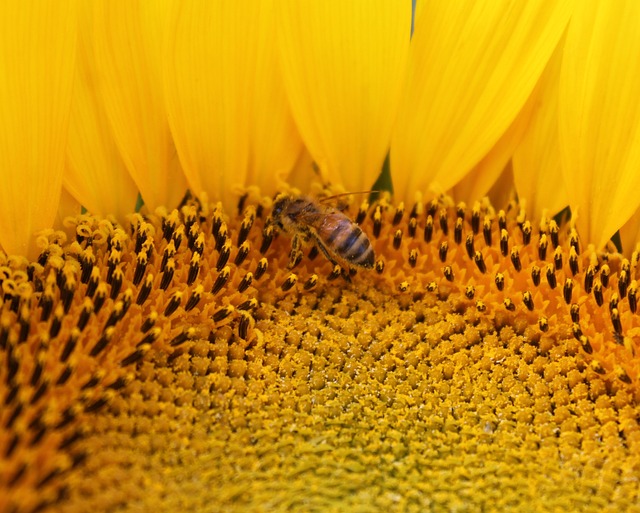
x=486, y=362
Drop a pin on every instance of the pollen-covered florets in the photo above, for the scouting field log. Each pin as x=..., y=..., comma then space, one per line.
x=147, y=352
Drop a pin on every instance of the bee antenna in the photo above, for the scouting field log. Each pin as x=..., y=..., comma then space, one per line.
x=343, y=194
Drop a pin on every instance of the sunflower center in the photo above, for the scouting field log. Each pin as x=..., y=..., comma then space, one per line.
x=476, y=357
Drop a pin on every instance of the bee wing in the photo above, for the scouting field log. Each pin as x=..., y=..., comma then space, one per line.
x=322, y=219
x=331, y=224
x=311, y=214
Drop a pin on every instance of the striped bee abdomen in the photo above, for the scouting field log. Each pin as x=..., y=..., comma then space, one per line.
x=356, y=248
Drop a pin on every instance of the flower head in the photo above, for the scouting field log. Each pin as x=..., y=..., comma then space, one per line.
x=195, y=355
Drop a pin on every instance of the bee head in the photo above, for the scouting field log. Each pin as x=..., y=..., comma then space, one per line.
x=279, y=206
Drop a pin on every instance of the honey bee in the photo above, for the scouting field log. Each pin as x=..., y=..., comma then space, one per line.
x=334, y=234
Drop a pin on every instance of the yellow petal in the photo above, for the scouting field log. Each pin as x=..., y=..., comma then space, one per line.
x=37, y=58
x=343, y=65
x=491, y=168
x=227, y=110
x=502, y=190
x=275, y=142
x=96, y=175
x=536, y=160
x=303, y=173
x=69, y=206
x=599, y=116
x=129, y=44
x=472, y=67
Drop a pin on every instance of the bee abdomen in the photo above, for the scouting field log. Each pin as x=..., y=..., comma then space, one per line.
x=356, y=248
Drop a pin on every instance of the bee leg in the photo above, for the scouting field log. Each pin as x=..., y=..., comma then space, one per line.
x=320, y=245
x=296, y=253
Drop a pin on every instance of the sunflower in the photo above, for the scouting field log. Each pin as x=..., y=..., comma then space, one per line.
x=165, y=344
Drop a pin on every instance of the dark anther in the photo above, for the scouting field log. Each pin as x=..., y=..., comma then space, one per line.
x=134, y=357
x=457, y=231
x=222, y=313
x=442, y=253
x=573, y=262
x=85, y=315
x=470, y=292
x=223, y=257
x=502, y=221
x=335, y=273
x=597, y=293
x=180, y=339
x=428, y=229
x=468, y=244
x=574, y=310
x=397, y=239
x=260, y=269
x=623, y=282
x=413, y=227
x=526, y=233
x=86, y=272
x=244, y=325
x=615, y=320
x=173, y=305
x=141, y=267
x=604, y=275
x=551, y=277
x=448, y=273
x=96, y=405
x=542, y=247
x=479, y=260
x=535, y=275
x=588, y=279
x=613, y=302
x=397, y=217
x=527, y=299
x=267, y=238
x=633, y=299
x=149, y=323
x=101, y=343
x=413, y=257
x=167, y=275
x=311, y=282
x=444, y=226
x=242, y=253
x=377, y=222
x=145, y=290
x=69, y=346
x=543, y=323
x=245, y=228
x=194, y=269
x=193, y=300
x=64, y=375
x=586, y=345
x=557, y=259
x=245, y=282
x=567, y=290
x=515, y=259
x=504, y=242
x=475, y=221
